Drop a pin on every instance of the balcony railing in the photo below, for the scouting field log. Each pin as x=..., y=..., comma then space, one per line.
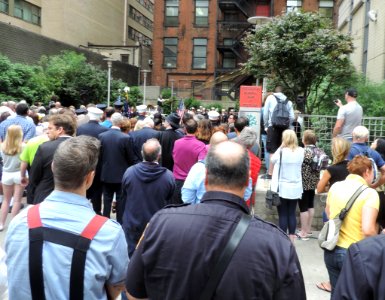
x=245, y=6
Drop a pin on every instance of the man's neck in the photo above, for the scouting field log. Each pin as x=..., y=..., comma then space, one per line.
x=225, y=189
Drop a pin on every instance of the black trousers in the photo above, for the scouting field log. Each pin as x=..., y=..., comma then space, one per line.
x=109, y=189
x=94, y=193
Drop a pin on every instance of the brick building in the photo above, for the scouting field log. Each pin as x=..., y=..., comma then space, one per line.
x=197, y=48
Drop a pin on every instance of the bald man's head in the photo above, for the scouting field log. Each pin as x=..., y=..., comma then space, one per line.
x=227, y=165
x=151, y=150
x=218, y=137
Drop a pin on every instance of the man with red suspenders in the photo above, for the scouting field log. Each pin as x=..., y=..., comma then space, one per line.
x=60, y=249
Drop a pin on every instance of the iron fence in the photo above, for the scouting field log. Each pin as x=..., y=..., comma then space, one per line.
x=323, y=127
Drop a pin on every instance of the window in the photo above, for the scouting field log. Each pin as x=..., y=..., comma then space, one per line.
x=199, y=53
x=293, y=5
x=140, y=18
x=229, y=60
x=228, y=42
x=147, y=4
x=201, y=12
x=172, y=13
x=27, y=12
x=198, y=87
x=4, y=6
x=326, y=9
x=135, y=35
x=169, y=52
x=124, y=58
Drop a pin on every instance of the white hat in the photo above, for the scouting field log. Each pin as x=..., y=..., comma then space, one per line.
x=94, y=113
x=213, y=115
x=141, y=108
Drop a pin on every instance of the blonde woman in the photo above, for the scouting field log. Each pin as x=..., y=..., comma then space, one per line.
x=287, y=180
x=338, y=170
x=10, y=151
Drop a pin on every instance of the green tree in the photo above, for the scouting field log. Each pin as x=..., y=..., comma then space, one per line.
x=303, y=53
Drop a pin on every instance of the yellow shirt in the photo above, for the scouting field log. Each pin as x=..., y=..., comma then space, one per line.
x=339, y=194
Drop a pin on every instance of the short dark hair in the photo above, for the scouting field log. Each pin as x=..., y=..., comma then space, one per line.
x=109, y=111
x=191, y=126
x=352, y=92
x=152, y=152
x=22, y=109
x=227, y=165
x=73, y=160
x=65, y=121
x=241, y=123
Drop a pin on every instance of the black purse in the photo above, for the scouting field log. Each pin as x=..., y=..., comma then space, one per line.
x=272, y=198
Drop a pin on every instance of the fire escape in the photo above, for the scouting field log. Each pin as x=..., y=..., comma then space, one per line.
x=232, y=26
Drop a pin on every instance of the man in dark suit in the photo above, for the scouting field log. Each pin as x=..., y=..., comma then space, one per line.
x=60, y=128
x=139, y=137
x=167, y=139
x=116, y=157
x=93, y=128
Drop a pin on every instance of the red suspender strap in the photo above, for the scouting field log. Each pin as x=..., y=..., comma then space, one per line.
x=33, y=217
x=93, y=227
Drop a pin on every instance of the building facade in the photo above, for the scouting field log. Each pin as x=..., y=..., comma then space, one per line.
x=364, y=20
x=119, y=29
x=197, y=44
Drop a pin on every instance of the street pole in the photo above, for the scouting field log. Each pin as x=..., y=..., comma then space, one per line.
x=144, y=84
x=109, y=65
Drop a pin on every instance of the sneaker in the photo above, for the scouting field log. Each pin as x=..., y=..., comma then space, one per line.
x=266, y=176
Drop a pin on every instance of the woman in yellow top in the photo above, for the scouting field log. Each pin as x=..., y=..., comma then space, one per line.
x=360, y=222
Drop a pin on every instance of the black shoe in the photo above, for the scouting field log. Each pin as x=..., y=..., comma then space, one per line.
x=266, y=176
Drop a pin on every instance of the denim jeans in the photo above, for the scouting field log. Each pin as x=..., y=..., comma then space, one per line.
x=266, y=154
x=286, y=215
x=334, y=261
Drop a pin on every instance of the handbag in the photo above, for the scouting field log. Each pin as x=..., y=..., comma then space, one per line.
x=328, y=236
x=272, y=198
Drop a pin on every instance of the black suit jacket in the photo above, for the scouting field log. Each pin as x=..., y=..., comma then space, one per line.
x=92, y=128
x=40, y=176
x=139, y=137
x=116, y=155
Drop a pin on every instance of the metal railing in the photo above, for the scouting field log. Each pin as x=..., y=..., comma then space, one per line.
x=323, y=128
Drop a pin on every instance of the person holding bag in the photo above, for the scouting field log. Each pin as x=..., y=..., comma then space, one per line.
x=360, y=220
x=287, y=180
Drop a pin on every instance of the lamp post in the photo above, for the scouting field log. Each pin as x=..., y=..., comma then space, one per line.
x=144, y=84
x=109, y=65
x=172, y=87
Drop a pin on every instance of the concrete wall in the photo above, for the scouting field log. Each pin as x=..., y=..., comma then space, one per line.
x=271, y=215
x=26, y=47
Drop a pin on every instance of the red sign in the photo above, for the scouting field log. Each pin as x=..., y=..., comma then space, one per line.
x=250, y=96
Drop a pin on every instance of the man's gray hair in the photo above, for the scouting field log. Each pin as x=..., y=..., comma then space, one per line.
x=360, y=133
x=247, y=137
x=116, y=118
x=148, y=122
x=73, y=160
x=151, y=150
x=228, y=165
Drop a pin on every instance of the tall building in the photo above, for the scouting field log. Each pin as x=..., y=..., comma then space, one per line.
x=197, y=49
x=120, y=29
x=364, y=20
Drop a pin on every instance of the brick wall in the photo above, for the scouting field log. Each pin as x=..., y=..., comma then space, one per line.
x=26, y=47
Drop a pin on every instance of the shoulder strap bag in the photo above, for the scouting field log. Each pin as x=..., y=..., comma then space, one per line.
x=225, y=257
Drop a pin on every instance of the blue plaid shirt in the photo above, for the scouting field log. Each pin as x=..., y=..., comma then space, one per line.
x=27, y=126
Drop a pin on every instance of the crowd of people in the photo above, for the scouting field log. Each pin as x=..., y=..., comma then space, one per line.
x=180, y=186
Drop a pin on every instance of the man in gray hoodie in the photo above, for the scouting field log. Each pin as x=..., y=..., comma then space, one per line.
x=147, y=187
x=274, y=135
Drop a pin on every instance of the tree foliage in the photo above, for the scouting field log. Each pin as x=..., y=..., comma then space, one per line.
x=67, y=75
x=303, y=53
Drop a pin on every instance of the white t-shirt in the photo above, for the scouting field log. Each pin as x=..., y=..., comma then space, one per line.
x=352, y=114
